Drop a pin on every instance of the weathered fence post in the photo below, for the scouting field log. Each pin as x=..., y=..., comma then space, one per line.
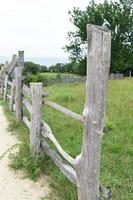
x=88, y=163
x=5, y=86
x=18, y=85
x=35, y=130
x=12, y=96
x=2, y=76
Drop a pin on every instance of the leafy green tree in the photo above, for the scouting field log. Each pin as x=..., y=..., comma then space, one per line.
x=59, y=67
x=116, y=16
x=32, y=68
x=43, y=68
x=71, y=67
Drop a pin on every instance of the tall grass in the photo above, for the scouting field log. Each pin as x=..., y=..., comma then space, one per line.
x=117, y=151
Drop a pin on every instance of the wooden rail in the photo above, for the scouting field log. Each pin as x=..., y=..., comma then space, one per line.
x=27, y=122
x=27, y=105
x=65, y=111
x=84, y=170
x=66, y=169
x=47, y=133
x=27, y=91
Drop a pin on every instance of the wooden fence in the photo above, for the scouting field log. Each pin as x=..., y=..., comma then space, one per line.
x=84, y=170
x=71, y=78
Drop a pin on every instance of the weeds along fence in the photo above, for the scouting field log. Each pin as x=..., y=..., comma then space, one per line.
x=84, y=170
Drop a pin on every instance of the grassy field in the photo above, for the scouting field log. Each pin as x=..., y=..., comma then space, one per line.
x=117, y=151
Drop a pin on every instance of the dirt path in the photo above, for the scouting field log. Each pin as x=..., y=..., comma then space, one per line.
x=12, y=184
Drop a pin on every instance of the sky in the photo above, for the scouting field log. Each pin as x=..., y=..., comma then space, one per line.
x=39, y=27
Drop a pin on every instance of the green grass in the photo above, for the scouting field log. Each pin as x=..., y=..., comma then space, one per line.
x=23, y=159
x=117, y=151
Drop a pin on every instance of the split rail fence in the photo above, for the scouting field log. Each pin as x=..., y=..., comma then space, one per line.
x=84, y=170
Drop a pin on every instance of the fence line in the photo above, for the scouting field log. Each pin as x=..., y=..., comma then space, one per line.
x=69, y=78
x=83, y=170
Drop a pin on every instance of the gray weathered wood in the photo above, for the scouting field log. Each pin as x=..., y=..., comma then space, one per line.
x=5, y=87
x=47, y=133
x=3, y=71
x=2, y=77
x=88, y=163
x=12, y=64
x=20, y=61
x=12, y=95
x=27, y=105
x=36, y=117
x=65, y=111
x=18, y=92
x=26, y=90
x=18, y=85
x=67, y=170
x=27, y=122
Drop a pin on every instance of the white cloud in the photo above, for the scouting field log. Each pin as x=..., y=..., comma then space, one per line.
x=37, y=26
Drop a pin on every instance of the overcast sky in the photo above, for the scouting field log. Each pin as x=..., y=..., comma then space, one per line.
x=37, y=26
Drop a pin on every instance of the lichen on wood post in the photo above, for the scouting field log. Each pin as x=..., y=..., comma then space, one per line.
x=88, y=163
x=36, y=117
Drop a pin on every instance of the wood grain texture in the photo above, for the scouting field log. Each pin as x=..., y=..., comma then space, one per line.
x=20, y=60
x=65, y=111
x=36, y=117
x=18, y=84
x=12, y=96
x=88, y=163
x=18, y=92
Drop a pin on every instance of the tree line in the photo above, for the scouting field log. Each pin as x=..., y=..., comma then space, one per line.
x=116, y=16
x=33, y=68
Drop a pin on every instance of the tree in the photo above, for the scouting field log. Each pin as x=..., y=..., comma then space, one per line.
x=32, y=68
x=59, y=67
x=116, y=16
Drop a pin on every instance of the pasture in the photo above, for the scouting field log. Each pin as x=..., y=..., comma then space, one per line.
x=117, y=151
